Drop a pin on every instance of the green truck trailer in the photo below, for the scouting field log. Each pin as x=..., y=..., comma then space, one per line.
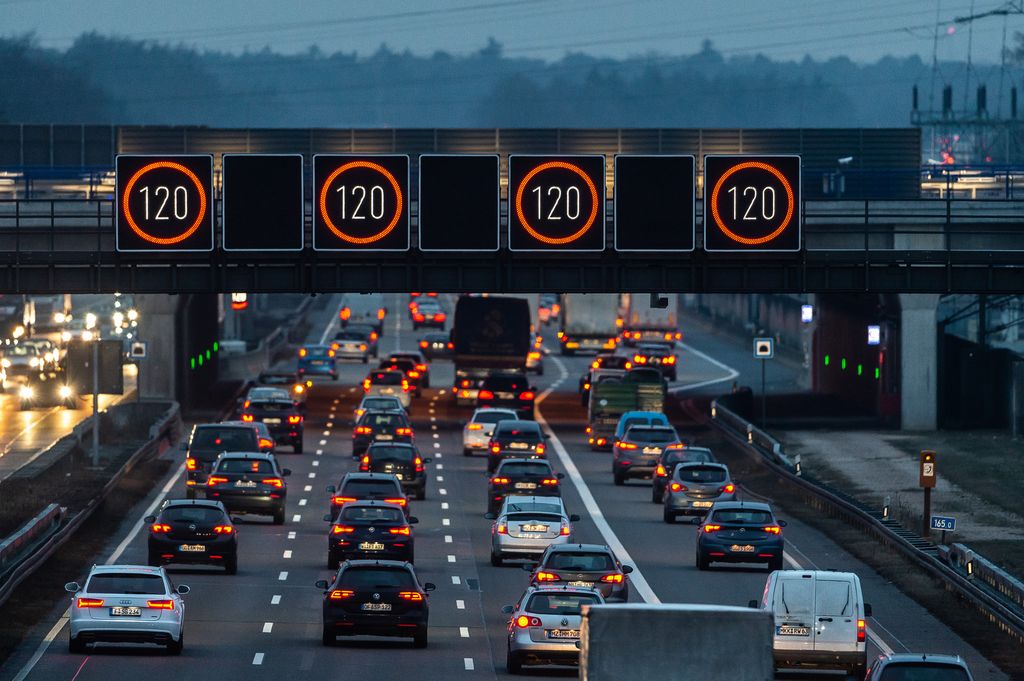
x=612, y=398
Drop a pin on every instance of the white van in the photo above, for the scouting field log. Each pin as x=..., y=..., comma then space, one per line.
x=820, y=619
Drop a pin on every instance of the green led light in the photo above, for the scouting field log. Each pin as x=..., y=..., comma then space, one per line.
x=878, y=373
x=200, y=360
x=216, y=346
x=826, y=360
x=860, y=369
x=192, y=361
x=842, y=364
x=207, y=354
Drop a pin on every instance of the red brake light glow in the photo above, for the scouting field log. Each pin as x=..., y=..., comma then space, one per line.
x=547, y=577
x=625, y=445
x=526, y=396
x=676, y=487
x=501, y=528
x=190, y=464
x=248, y=418
x=500, y=481
x=363, y=430
x=613, y=578
x=403, y=431
x=274, y=482
x=215, y=480
x=160, y=528
x=404, y=531
x=861, y=631
x=342, y=529
x=400, y=502
x=549, y=481
x=90, y=602
x=414, y=596
x=338, y=501
x=340, y=594
x=728, y=489
x=773, y=529
x=540, y=448
x=160, y=605
x=660, y=471
x=496, y=449
x=485, y=395
x=523, y=622
x=224, y=529
x=295, y=418
x=712, y=528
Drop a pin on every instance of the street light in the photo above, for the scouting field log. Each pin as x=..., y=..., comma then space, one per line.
x=133, y=314
x=90, y=321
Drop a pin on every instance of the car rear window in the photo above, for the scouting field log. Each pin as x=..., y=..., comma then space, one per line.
x=225, y=439
x=505, y=383
x=922, y=671
x=373, y=513
x=376, y=578
x=378, y=419
x=493, y=417
x=365, y=488
x=400, y=364
x=652, y=434
x=833, y=597
x=533, y=507
x=380, y=454
x=351, y=335
x=125, y=583
x=245, y=466
x=795, y=596
x=268, y=394
x=381, y=403
x=192, y=514
x=519, y=433
x=743, y=515
x=317, y=353
x=582, y=561
x=386, y=378
x=276, y=379
x=613, y=362
x=700, y=474
x=540, y=517
x=687, y=456
x=559, y=604
x=271, y=405
x=518, y=468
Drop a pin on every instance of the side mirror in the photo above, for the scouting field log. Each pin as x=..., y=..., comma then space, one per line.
x=236, y=520
x=696, y=520
x=507, y=609
x=429, y=586
x=490, y=516
x=286, y=472
x=782, y=523
x=560, y=476
x=413, y=520
x=72, y=587
x=327, y=517
x=574, y=518
x=752, y=603
x=547, y=436
x=321, y=584
x=529, y=567
x=331, y=489
x=149, y=519
x=182, y=589
x=427, y=460
x=626, y=569
x=867, y=610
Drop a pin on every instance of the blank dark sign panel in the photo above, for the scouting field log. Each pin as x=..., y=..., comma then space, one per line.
x=459, y=202
x=654, y=203
x=556, y=203
x=164, y=203
x=263, y=202
x=360, y=202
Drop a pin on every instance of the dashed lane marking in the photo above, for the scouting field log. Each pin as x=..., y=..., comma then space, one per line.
x=468, y=662
x=268, y=627
x=287, y=553
x=456, y=580
x=464, y=632
x=451, y=558
x=307, y=488
x=448, y=539
x=296, y=518
x=440, y=478
x=292, y=535
x=444, y=505
x=442, y=491
x=446, y=521
x=316, y=462
x=275, y=599
x=460, y=604
x=257, y=659
x=302, y=502
x=282, y=576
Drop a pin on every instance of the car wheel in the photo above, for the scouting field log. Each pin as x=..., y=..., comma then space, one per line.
x=420, y=639
x=231, y=565
x=669, y=516
x=75, y=645
x=154, y=560
x=776, y=564
x=513, y=663
x=328, y=638
x=497, y=560
x=619, y=479
x=279, y=517
x=702, y=562
x=175, y=647
x=297, y=447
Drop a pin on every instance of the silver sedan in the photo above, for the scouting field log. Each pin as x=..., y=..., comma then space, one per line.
x=478, y=430
x=527, y=525
x=544, y=627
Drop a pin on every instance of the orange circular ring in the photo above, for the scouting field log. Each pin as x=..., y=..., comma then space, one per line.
x=593, y=203
x=743, y=239
x=145, y=236
x=362, y=240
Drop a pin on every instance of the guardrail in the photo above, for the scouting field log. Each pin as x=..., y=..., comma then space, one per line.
x=1004, y=610
x=167, y=430
x=17, y=546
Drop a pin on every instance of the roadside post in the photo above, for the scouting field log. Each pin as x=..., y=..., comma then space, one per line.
x=944, y=524
x=926, y=480
x=764, y=349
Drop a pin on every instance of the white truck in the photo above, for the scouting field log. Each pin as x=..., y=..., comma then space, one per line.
x=644, y=642
x=589, y=322
x=643, y=323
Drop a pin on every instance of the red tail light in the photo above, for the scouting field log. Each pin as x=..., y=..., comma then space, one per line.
x=589, y=430
x=295, y=418
x=248, y=418
x=613, y=578
x=660, y=471
x=549, y=481
x=565, y=530
x=500, y=481
x=501, y=528
x=89, y=602
x=862, y=633
x=465, y=383
x=303, y=352
x=380, y=313
x=330, y=353
x=418, y=463
x=773, y=529
x=403, y=431
x=414, y=374
x=404, y=531
x=676, y=487
x=405, y=385
x=548, y=577
x=245, y=405
x=215, y=480
x=523, y=622
x=439, y=317
x=727, y=489
x=274, y=482
x=266, y=444
x=423, y=344
x=624, y=445
x=160, y=528
x=414, y=596
x=526, y=396
x=345, y=313
x=224, y=529
x=400, y=502
x=373, y=335
x=712, y=528
x=366, y=384
x=335, y=345
x=160, y=605
x=364, y=463
x=485, y=395
x=342, y=529
x=671, y=359
x=677, y=446
x=451, y=346
x=419, y=317
x=340, y=594
x=421, y=367
x=540, y=448
x=338, y=501
x=495, y=449
x=363, y=430
x=190, y=464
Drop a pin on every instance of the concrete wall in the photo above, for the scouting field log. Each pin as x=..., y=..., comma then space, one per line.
x=918, y=361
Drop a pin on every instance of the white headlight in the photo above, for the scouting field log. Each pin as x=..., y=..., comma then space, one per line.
x=48, y=357
x=33, y=361
x=90, y=320
x=5, y=362
x=64, y=391
x=26, y=392
x=87, y=335
x=65, y=336
x=133, y=314
x=59, y=317
x=19, y=331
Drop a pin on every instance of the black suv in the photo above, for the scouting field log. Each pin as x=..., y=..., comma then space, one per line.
x=208, y=441
x=515, y=440
x=249, y=482
x=400, y=460
x=370, y=529
x=522, y=476
x=375, y=597
x=193, y=532
x=362, y=486
x=283, y=418
x=511, y=391
x=380, y=426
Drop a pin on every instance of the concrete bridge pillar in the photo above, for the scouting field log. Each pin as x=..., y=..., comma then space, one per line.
x=157, y=375
x=918, y=361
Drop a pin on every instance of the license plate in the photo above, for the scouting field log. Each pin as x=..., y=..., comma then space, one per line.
x=193, y=548
x=703, y=504
x=793, y=631
x=272, y=421
x=350, y=346
x=387, y=391
x=504, y=396
x=518, y=445
x=245, y=483
x=319, y=362
x=585, y=585
x=526, y=485
x=534, y=528
x=383, y=437
x=371, y=546
x=652, y=450
x=121, y=611
x=745, y=548
x=563, y=633
x=377, y=607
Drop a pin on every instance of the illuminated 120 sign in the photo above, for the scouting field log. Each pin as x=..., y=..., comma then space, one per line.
x=361, y=202
x=556, y=203
x=164, y=203
x=752, y=203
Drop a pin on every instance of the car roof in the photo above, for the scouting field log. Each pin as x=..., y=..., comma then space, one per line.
x=223, y=424
x=937, y=658
x=193, y=502
x=539, y=462
x=380, y=445
x=649, y=414
x=564, y=588
x=594, y=548
x=145, y=569
x=533, y=499
x=707, y=464
x=368, y=476
x=390, y=564
x=649, y=426
x=265, y=456
x=518, y=423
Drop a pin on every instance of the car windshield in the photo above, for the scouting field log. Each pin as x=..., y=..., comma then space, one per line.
x=225, y=439
x=381, y=420
x=366, y=488
x=373, y=514
x=743, y=515
x=652, y=435
x=700, y=474
x=505, y=383
x=360, y=578
x=379, y=454
x=559, y=604
x=245, y=466
x=493, y=417
x=192, y=514
x=522, y=468
x=386, y=378
x=922, y=671
x=687, y=456
x=582, y=561
x=125, y=583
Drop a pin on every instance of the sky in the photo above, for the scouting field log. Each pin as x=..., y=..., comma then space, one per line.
x=863, y=30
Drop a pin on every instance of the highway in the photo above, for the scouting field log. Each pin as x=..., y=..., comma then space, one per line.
x=265, y=622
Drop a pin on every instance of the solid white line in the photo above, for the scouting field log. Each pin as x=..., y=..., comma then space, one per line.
x=460, y=604
x=296, y=518
x=275, y=599
x=257, y=658
x=464, y=632
x=456, y=580
x=468, y=661
x=637, y=578
x=447, y=539
x=730, y=372
x=287, y=553
x=63, y=619
x=451, y=558
x=268, y=627
x=282, y=576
